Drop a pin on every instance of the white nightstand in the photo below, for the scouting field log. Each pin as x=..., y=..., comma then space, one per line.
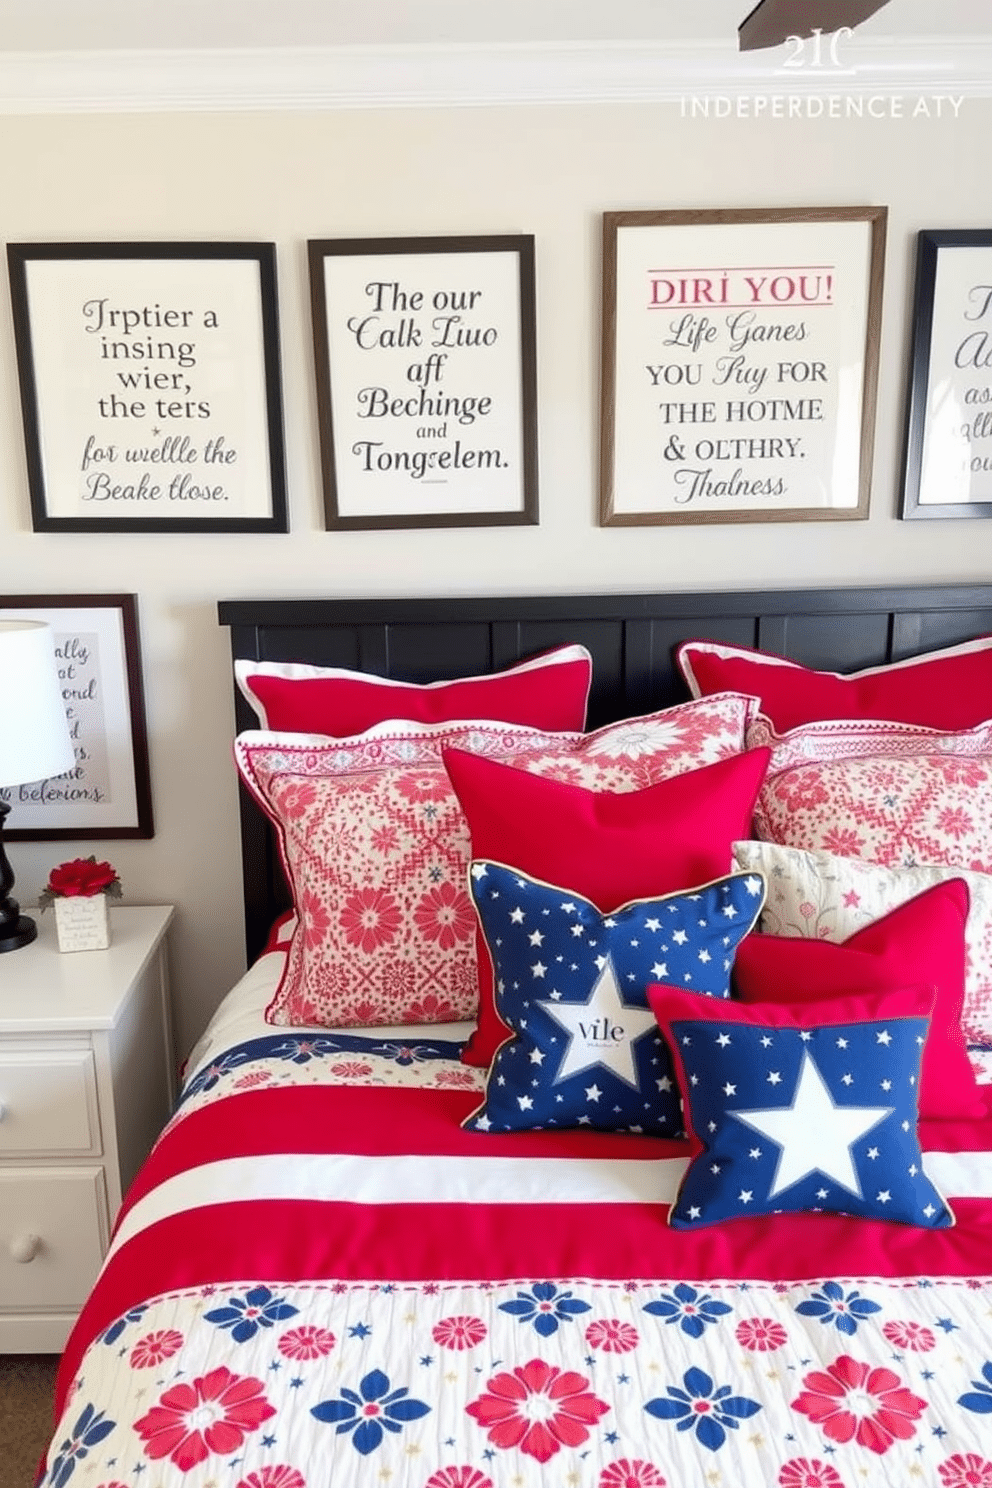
x=86, y=1083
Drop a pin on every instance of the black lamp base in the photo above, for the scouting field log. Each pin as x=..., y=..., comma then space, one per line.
x=16, y=930
x=21, y=932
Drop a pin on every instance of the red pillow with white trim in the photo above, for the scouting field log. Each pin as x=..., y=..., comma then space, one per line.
x=921, y=940
x=946, y=689
x=608, y=846
x=550, y=691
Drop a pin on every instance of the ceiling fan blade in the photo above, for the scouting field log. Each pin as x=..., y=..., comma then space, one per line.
x=772, y=21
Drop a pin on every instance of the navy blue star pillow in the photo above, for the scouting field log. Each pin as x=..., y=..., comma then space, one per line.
x=801, y=1108
x=571, y=985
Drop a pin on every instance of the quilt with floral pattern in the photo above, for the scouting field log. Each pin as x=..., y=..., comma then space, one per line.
x=320, y=1280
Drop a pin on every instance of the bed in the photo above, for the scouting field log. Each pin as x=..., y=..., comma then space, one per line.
x=348, y=1260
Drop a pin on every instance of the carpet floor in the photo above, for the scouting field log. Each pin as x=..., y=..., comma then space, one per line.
x=26, y=1385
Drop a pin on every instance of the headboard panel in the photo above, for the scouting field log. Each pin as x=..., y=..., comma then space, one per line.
x=631, y=638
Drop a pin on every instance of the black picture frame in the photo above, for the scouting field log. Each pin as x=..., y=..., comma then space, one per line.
x=406, y=337
x=948, y=406
x=130, y=356
x=99, y=658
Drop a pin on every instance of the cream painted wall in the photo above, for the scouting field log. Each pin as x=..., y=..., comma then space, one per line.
x=546, y=171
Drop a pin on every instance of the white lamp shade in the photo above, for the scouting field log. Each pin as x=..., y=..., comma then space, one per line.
x=34, y=732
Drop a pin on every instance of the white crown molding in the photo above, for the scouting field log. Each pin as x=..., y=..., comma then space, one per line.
x=250, y=80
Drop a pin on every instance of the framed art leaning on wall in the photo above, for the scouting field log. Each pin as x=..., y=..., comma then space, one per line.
x=425, y=366
x=739, y=364
x=150, y=386
x=948, y=460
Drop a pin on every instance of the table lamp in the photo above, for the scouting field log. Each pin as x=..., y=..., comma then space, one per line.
x=34, y=742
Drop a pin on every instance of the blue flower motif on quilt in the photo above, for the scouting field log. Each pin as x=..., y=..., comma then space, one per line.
x=571, y=985
x=845, y=1310
x=244, y=1316
x=981, y=1402
x=690, y=1309
x=371, y=1412
x=90, y=1429
x=794, y=1119
x=117, y=1327
x=545, y=1306
x=703, y=1408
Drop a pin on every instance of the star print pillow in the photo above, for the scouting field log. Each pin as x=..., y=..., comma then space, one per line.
x=571, y=986
x=801, y=1109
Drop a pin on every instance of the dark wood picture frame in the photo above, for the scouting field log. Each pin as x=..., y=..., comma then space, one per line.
x=644, y=425
x=952, y=326
x=120, y=694
x=81, y=420
x=356, y=340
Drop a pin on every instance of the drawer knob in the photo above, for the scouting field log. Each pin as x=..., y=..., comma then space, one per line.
x=24, y=1248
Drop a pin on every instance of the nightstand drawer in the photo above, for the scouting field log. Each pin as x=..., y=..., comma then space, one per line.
x=53, y=1234
x=48, y=1101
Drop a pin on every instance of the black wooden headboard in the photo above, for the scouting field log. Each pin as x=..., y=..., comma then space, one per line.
x=631, y=638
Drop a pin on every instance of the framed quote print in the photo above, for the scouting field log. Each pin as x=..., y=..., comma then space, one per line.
x=150, y=386
x=107, y=793
x=948, y=461
x=426, y=380
x=740, y=362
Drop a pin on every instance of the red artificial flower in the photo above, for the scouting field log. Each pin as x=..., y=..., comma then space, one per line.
x=81, y=877
x=538, y=1408
x=212, y=1414
x=851, y=1401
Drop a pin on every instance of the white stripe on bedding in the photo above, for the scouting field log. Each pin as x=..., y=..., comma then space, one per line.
x=464, y=1180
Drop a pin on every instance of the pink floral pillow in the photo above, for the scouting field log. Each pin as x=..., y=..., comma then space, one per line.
x=376, y=848
x=894, y=794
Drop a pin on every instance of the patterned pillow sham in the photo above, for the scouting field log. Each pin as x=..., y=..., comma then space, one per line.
x=890, y=793
x=376, y=848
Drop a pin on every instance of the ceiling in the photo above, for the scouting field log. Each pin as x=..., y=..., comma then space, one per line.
x=155, y=25
x=154, y=55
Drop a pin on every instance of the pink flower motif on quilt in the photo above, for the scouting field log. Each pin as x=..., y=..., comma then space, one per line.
x=351, y=1069
x=911, y=1336
x=612, y=1336
x=802, y=790
x=212, y=1414
x=459, y=1332
x=370, y=918
x=274, y=1477
x=761, y=1335
x=430, y=1009
x=458, y=1477
x=802, y=1472
x=538, y=1408
x=445, y=915
x=850, y=1401
x=384, y=840
x=462, y=1079
x=844, y=841
x=631, y=1474
x=252, y=1078
x=966, y=1470
x=306, y=1342
x=155, y=1347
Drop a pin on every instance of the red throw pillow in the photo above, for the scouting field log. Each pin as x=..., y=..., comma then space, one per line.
x=545, y=692
x=609, y=847
x=948, y=689
x=921, y=941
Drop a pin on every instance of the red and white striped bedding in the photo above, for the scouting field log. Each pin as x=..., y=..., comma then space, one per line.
x=320, y=1280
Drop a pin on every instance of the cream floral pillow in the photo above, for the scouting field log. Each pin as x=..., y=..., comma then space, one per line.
x=825, y=897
